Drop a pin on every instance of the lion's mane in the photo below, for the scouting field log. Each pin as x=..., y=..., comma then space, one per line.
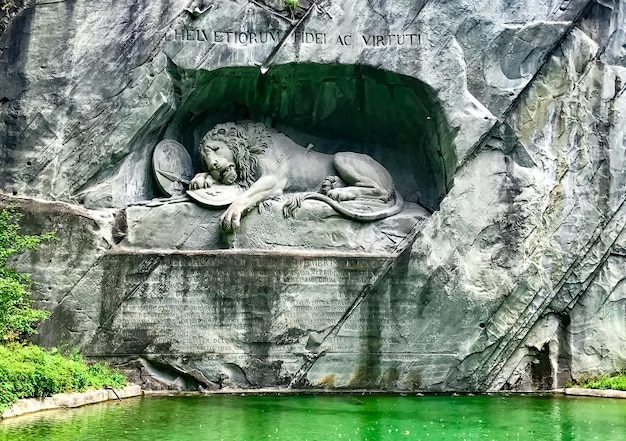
x=247, y=140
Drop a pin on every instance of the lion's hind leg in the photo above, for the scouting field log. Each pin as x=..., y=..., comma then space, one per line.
x=331, y=182
x=365, y=178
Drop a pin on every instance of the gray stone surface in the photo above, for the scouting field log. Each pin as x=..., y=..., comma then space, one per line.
x=187, y=226
x=70, y=400
x=506, y=119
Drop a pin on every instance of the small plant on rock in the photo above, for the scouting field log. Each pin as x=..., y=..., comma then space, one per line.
x=291, y=4
x=17, y=316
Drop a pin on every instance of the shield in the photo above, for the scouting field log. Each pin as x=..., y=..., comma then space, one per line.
x=218, y=195
x=172, y=167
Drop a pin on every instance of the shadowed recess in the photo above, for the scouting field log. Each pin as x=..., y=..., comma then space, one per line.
x=393, y=118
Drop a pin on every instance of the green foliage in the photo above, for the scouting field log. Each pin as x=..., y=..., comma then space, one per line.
x=27, y=370
x=16, y=314
x=615, y=382
x=31, y=371
x=291, y=4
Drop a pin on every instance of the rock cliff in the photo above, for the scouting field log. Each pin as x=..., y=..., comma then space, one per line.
x=501, y=123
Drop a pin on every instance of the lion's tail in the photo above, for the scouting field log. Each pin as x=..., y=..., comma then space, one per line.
x=290, y=207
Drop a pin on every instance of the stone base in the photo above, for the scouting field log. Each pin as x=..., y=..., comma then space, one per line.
x=315, y=226
x=598, y=393
x=67, y=400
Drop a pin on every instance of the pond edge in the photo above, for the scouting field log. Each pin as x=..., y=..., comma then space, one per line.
x=71, y=399
x=599, y=393
x=78, y=399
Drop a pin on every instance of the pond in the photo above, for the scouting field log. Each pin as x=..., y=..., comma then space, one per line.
x=330, y=417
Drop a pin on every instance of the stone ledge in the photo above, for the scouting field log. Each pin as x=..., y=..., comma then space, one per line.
x=72, y=399
x=601, y=393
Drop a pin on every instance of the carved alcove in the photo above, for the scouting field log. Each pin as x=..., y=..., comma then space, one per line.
x=393, y=118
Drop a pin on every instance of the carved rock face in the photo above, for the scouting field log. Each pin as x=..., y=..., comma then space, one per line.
x=523, y=260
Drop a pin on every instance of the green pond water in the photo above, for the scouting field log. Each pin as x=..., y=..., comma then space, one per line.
x=337, y=417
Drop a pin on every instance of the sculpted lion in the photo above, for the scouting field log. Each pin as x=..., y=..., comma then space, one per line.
x=266, y=163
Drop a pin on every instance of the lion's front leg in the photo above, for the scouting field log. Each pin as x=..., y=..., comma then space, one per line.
x=201, y=180
x=267, y=187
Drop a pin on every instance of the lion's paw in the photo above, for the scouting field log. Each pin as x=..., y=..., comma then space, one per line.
x=340, y=194
x=201, y=180
x=231, y=219
x=329, y=183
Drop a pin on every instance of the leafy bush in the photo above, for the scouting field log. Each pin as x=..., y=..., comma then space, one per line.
x=30, y=371
x=615, y=382
x=16, y=314
x=27, y=370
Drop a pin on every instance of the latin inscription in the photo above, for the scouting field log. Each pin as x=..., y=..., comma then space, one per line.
x=224, y=305
x=298, y=37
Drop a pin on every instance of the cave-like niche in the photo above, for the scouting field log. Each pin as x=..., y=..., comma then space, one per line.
x=393, y=118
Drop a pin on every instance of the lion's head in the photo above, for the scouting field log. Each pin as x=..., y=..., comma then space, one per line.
x=246, y=140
